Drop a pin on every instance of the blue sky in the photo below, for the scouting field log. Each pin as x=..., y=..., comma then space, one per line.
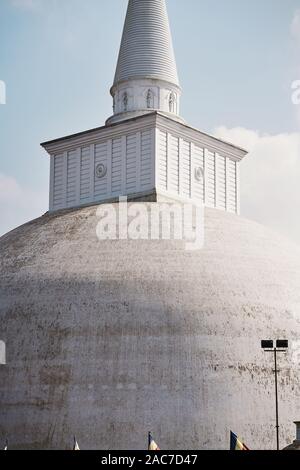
x=236, y=59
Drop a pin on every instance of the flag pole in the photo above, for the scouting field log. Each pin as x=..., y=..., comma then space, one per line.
x=149, y=440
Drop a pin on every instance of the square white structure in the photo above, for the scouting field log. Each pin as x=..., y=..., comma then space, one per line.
x=144, y=158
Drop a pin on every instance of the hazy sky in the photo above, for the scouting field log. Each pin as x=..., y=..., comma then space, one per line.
x=237, y=60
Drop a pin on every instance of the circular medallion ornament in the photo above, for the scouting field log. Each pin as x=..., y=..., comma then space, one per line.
x=101, y=170
x=199, y=174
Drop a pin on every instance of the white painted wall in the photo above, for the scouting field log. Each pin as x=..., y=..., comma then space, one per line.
x=140, y=156
x=128, y=160
x=178, y=160
x=130, y=99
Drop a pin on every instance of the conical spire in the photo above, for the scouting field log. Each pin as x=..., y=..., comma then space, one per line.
x=146, y=48
x=146, y=78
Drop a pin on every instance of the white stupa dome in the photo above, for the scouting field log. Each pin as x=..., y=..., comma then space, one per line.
x=108, y=339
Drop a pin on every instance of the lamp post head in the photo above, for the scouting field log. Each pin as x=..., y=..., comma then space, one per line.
x=282, y=344
x=267, y=344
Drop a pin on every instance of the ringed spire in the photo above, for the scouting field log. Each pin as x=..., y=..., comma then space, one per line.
x=146, y=77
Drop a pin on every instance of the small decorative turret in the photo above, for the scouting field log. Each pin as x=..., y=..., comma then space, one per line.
x=146, y=78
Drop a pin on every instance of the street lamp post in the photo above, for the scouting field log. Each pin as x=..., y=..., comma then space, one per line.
x=281, y=346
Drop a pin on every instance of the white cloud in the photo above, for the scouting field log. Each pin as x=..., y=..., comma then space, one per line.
x=18, y=204
x=270, y=178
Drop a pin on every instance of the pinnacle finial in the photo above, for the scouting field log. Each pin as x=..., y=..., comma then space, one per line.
x=146, y=48
x=146, y=78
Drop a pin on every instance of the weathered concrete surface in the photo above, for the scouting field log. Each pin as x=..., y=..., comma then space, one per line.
x=107, y=340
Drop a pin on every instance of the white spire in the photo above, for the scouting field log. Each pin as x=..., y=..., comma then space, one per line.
x=146, y=77
x=146, y=48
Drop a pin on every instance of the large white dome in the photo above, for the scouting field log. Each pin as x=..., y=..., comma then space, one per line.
x=109, y=339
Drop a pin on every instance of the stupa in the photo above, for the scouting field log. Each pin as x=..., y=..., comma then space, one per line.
x=108, y=339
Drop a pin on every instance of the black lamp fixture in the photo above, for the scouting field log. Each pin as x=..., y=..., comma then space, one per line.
x=281, y=347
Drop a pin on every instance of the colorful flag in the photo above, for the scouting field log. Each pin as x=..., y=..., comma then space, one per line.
x=152, y=443
x=76, y=446
x=236, y=443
